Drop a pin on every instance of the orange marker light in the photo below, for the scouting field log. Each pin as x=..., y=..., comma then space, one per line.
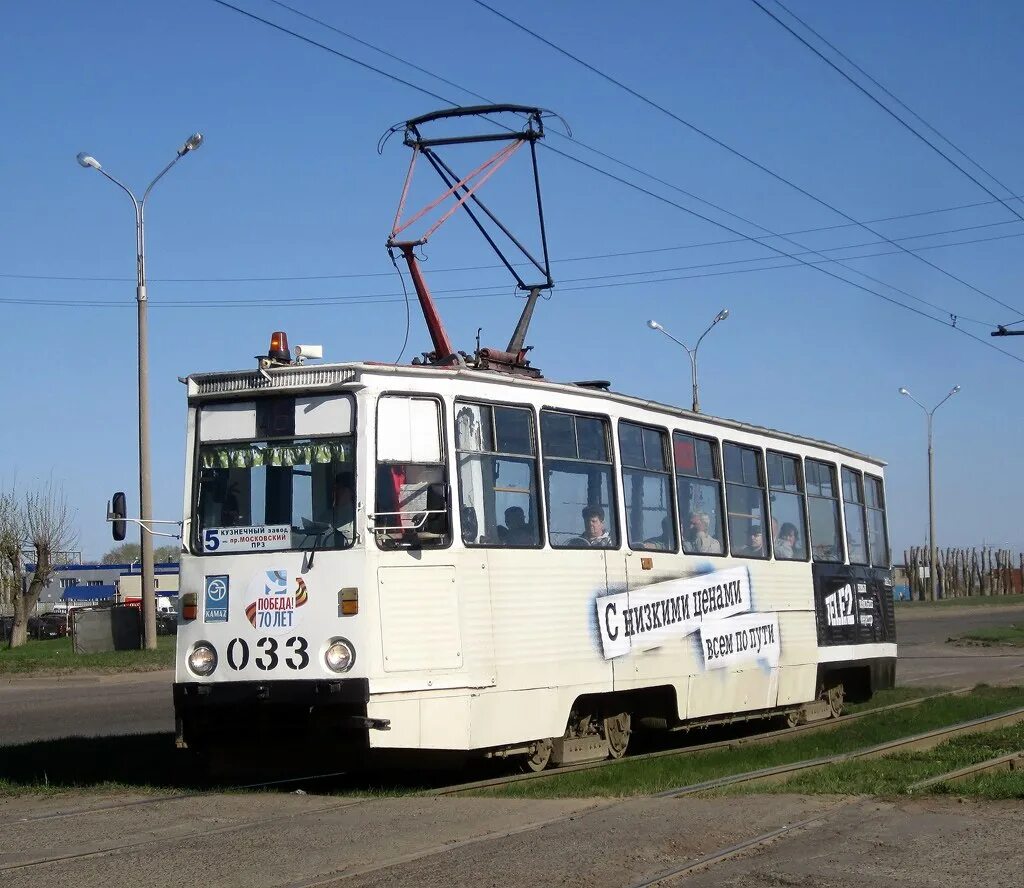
x=279, y=347
x=348, y=602
x=189, y=606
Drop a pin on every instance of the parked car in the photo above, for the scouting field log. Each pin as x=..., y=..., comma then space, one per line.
x=48, y=626
x=166, y=623
x=6, y=628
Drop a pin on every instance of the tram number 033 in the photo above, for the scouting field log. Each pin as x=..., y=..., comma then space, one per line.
x=268, y=654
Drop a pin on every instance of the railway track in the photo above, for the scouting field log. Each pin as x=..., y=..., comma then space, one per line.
x=916, y=742
x=919, y=741
x=734, y=743
x=1013, y=761
x=456, y=789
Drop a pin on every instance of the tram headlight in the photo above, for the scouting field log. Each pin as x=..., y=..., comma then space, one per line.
x=203, y=659
x=340, y=655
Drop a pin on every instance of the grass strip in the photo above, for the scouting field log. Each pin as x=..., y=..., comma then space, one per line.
x=973, y=601
x=997, y=785
x=642, y=777
x=893, y=774
x=890, y=698
x=1011, y=636
x=54, y=656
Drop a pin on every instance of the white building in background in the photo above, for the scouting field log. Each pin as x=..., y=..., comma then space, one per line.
x=110, y=582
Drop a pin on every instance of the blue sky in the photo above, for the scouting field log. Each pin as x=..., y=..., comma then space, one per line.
x=290, y=184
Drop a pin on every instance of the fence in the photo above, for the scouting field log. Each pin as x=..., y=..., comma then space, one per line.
x=964, y=573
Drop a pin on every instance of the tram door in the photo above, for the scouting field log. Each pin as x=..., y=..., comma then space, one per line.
x=676, y=659
x=434, y=604
x=652, y=534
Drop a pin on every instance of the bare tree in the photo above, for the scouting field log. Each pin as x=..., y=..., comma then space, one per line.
x=39, y=524
x=10, y=549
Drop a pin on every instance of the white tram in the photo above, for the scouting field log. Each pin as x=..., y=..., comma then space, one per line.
x=447, y=558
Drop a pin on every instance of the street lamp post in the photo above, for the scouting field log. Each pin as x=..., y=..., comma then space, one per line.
x=145, y=479
x=933, y=574
x=721, y=316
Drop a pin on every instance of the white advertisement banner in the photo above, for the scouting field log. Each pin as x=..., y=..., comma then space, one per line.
x=262, y=537
x=649, y=617
x=745, y=639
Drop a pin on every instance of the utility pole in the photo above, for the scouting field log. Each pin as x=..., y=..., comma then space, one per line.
x=692, y=353
x=142, y=301
x=933, y=574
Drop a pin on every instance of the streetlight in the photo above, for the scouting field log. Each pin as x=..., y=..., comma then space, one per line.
x=145, y=481
x=932, y=572
x=721, y=316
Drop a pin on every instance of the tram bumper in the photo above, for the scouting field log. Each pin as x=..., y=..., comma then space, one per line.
x=330, y=709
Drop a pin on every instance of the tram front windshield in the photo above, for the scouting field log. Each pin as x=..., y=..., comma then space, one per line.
x=275, y=494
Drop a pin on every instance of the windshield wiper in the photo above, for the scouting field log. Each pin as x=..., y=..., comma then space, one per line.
x=316, y=537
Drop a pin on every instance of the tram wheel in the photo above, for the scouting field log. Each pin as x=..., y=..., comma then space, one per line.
x=794, y=718
x=835, y=696
x=616, y=733
x=540, y=756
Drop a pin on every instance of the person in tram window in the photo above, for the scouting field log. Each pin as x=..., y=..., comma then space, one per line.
x=594, y=533
x=785, y=543
x=666, y=542
x=343, y=508
x=755, y=548
x=231, y=511
x=699, y=539
x=518, y=532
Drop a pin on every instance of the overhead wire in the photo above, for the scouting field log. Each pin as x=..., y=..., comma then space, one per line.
x=734, y=151
x=885, y=107
x=593, y=257
x=248, y=301
x=770, y=234
x=631, y=167
x=627, y=183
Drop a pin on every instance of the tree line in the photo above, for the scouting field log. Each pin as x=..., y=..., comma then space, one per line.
x=964, y=573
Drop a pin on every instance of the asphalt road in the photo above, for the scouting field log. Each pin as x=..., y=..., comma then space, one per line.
x=47, y=708
x=927, y=658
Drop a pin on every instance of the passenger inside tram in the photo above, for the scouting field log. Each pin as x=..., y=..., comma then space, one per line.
x=667, y=541
x=594, y=533
x=517, y=531
x=786, y=542
x=755, y=546
x=698, y=539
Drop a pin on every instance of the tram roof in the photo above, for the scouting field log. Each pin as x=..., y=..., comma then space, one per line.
x=238, y=383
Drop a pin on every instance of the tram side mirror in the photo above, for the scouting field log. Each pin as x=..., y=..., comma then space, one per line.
x=437, y=502
x=116, y=512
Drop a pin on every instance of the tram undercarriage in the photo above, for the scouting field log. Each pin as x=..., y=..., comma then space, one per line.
x=600, y=727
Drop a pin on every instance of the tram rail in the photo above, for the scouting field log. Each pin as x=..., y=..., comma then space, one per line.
x=754, y=739
x=1012, y=761
x=918, y=741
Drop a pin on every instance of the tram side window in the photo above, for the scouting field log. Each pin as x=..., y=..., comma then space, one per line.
x=786, y=499
x=878, y=539
x=823, y=508
x=646, y=488
x=699, y=490
x=497, y=459
x=745, y=496
x=412, y=503
x=853, y=509
x=578, y=480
